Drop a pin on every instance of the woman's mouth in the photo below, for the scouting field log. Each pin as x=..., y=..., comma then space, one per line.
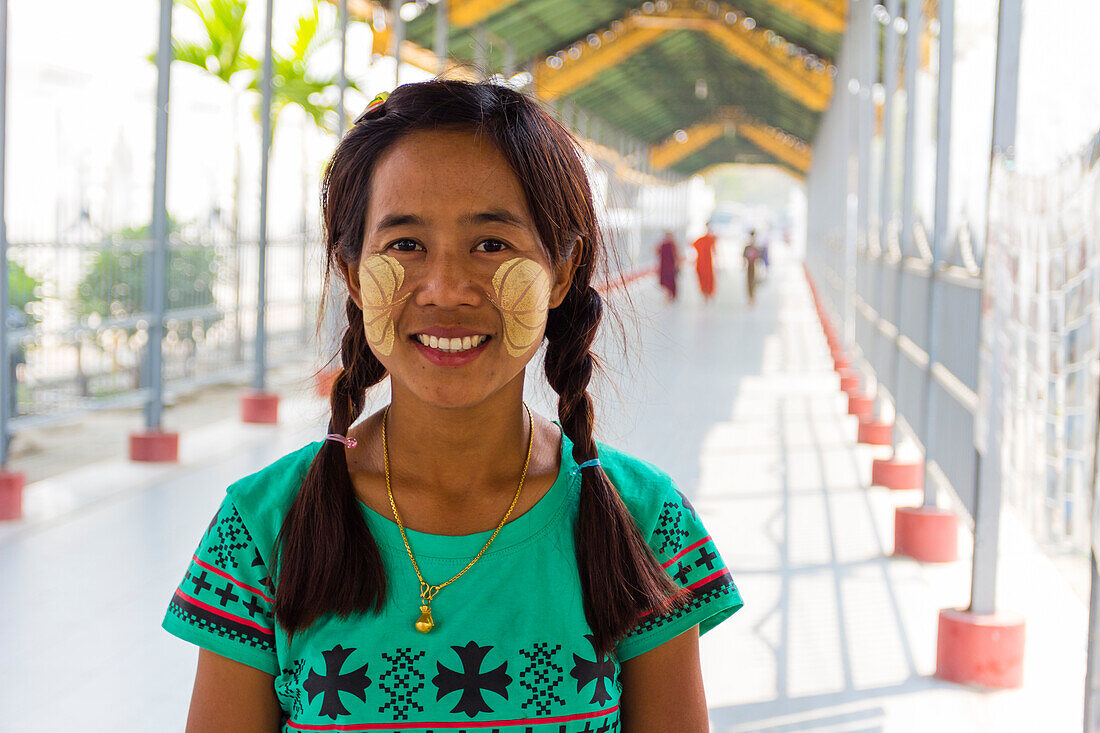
x=450, y=352
x=455, y=345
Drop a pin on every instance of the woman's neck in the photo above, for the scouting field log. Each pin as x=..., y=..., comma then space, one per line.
x=454, y=449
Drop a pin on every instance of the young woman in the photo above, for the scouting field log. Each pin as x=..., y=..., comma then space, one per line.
x=455, y=561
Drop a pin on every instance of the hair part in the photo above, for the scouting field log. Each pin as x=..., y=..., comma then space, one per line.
x=326, y=559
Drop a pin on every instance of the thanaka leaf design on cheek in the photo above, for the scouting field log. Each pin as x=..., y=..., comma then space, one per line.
x=380, y=278
x=521, y=292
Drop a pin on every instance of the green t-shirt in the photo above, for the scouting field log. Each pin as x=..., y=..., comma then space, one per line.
x=511, y=651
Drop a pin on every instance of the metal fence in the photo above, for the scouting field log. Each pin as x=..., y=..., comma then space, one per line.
x=911, y=307
x=78, y=343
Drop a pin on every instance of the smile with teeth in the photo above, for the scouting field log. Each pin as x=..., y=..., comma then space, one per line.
x=452, y=345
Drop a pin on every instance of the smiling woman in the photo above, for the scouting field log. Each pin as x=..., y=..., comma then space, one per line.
x=453, y=559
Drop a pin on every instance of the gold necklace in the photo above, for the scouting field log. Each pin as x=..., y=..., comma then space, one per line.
x=424, y=624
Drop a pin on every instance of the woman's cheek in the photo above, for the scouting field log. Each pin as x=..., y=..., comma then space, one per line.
x=380, y=279
x=521, y=292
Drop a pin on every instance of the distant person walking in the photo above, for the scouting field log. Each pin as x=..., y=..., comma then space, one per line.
x=750, y=255
x=669, y=258
x=704, y=262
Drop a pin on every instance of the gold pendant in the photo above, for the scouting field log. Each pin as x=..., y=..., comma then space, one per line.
x=424, y=624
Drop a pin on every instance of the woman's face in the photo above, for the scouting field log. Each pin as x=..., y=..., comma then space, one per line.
x=453, y=280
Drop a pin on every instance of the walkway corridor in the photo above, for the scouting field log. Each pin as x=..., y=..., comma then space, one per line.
x=742, y=408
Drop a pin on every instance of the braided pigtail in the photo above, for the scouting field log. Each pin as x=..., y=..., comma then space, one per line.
x=620, y=577
x=325, y=520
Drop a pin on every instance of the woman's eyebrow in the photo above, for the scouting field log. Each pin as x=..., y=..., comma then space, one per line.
x=498, y=216
x=389, y=221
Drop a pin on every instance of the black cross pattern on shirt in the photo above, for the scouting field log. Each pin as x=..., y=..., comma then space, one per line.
x=472, y=680
x=599, y=670
x=604, y=728
x=332, y=683
x=226, y=594
x=706, y=557
x=200, y=582
x=682, y=573
x=253, y=606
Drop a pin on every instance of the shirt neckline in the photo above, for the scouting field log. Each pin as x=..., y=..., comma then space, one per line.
x=465, y=547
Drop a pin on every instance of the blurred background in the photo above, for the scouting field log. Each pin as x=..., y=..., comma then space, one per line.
x=918, y=179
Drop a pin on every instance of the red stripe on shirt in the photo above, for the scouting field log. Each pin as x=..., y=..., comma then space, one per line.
x=686, y=550
x=223, y=614
x=697, y=584
x=231, y=579
x=457, y=724
x=712, y=576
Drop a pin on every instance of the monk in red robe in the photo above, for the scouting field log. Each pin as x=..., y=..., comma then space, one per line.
x=668, y=256
x=704, y=262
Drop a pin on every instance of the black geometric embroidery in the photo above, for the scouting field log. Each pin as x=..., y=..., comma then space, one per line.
x=290, y=687
x=232, y=536
x=541, y=676
x=607, y=726
x=669, y=530
x=226, y=594
x=205, y=620
x=200, y=583
x=257, y=560
x=254, y=606
x=472, y=680
x=687, y=505
x=701, y=596
x=402, y=681
x=681, y=573
x=706, y=557
x=598, y=670
x=332, y=683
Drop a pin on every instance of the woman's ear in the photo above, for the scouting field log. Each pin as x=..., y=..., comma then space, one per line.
x=563, y=277
x=351, y=277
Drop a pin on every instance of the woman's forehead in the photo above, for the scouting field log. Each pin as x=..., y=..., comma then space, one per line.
x=444, y=174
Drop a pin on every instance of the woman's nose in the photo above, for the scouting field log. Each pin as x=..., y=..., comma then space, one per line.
x=448, y=281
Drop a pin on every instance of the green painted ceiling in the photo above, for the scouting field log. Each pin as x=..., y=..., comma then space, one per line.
x=650, y=94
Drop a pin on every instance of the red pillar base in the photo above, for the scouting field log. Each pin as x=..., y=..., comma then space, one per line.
x=324, y=381
x=897, y=475
x=981, y=649
x=259, y=407
x=154, y=446
x=849, y=381
x=861, y=406
x=841, y=363
x=873, y=432
x=11, y=494
x=927, y=534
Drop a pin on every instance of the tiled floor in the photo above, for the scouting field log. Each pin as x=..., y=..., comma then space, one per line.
x=739, y=405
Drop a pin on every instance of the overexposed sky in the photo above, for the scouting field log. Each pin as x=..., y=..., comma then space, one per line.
x=81, y=115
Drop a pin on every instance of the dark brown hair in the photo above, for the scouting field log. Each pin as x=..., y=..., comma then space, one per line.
x=327, y=560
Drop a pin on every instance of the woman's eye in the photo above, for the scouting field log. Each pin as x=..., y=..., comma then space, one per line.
x=404, y=245
x=492, y=245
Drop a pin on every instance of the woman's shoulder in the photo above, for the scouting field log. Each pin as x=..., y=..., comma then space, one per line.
x=262, y=498
x=644, y=487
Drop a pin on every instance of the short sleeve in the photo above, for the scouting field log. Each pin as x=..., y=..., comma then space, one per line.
x=686, y=550
x=225, y=602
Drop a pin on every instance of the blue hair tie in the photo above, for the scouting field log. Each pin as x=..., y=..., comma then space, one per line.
x=586, y=464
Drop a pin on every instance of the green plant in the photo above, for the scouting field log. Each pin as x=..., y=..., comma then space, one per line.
x=115, y=284
x=21, y=286
x=293, y=83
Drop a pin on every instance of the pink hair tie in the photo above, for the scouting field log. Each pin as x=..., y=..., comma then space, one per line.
x=349, y=442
